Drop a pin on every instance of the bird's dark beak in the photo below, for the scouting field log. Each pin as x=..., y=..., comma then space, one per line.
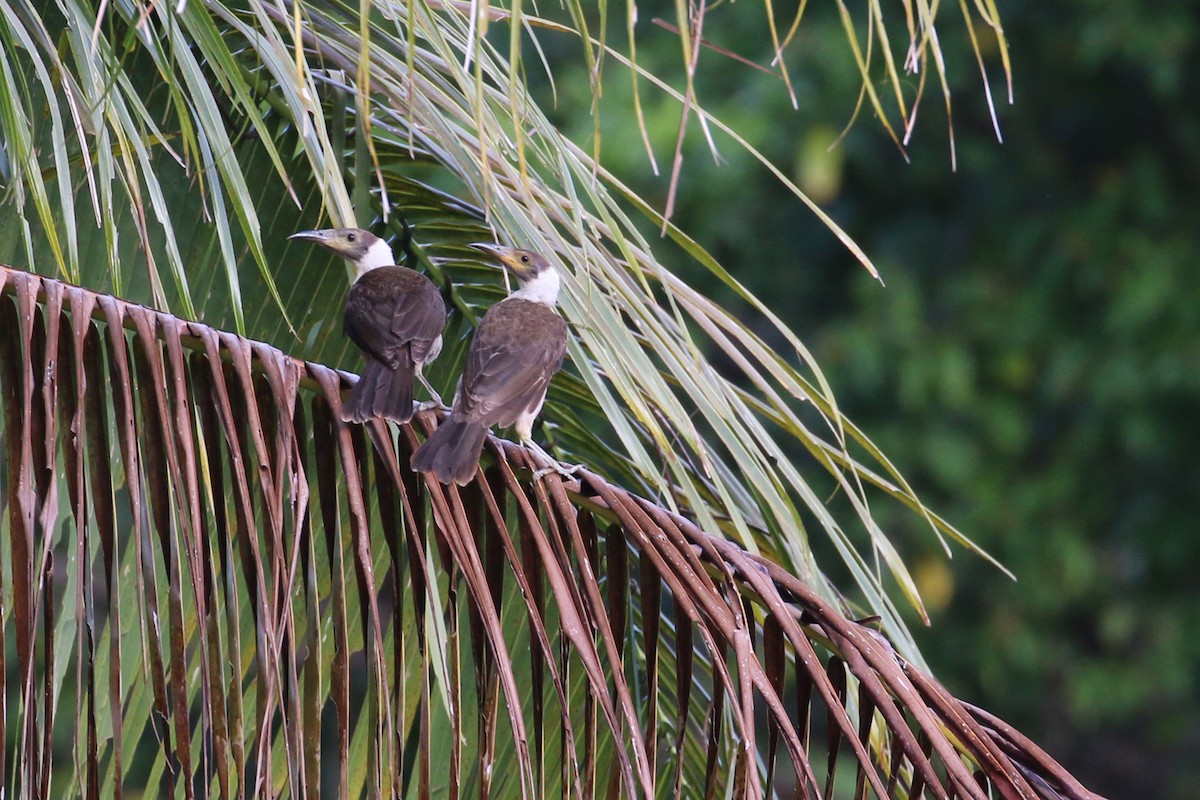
x=324, y=238
x=311, y=236
x=321, y=238
x=506, y=256
x=493, y=250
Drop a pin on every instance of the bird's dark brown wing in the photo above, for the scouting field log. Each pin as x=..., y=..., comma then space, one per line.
x=516, y=351
x=394, y=313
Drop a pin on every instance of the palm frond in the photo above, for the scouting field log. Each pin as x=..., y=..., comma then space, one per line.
x=338, y=110
x=238, y=484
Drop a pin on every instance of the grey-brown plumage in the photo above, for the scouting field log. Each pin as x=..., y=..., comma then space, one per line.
x=518, y=347
x=394, y=315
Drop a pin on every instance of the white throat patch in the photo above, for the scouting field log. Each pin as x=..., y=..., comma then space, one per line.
x=541, y=289
x=378, y=255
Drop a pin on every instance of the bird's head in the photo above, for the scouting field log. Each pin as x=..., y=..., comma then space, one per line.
x=363, y=249
x=535, y=274
x=524, y=265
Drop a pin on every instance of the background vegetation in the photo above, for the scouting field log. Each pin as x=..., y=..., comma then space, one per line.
x=1033, y=363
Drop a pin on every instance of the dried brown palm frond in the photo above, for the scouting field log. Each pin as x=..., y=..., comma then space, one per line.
x=256, y=599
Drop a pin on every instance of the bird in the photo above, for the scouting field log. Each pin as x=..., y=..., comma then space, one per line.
x=517, y=349
x=394, y=315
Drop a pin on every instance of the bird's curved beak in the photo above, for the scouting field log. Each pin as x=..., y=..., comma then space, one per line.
x=506, y=256
x=323, y=238
x=494, y=250
x=312, y=236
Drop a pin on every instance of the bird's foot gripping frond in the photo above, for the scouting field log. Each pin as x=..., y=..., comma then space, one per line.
x=554, y=465
x=435, y=400
x=562, y=469
x=432, y=405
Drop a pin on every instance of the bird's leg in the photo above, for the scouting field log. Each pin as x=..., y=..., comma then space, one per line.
x=555, y=464
x=435, y=400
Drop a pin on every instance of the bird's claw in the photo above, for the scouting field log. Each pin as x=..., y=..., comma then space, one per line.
x=435, y=400
x=564, y=471
x=432, y=405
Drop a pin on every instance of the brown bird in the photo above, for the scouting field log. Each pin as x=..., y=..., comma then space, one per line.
x=518, y=347
x=394, y=315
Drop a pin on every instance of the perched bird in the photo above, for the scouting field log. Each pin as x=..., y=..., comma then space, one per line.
x=394, y=315
x=518, y=347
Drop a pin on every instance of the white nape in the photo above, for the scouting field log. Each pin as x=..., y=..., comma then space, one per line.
x=541, y=288
x=377, y=255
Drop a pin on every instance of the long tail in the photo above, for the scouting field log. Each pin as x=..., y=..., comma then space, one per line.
x=381, y=392
x=452, y=452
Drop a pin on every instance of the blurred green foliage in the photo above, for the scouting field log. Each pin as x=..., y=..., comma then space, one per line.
x=1033, y=363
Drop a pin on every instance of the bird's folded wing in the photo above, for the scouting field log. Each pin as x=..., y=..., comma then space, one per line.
x=513, y=357
x=391, y=307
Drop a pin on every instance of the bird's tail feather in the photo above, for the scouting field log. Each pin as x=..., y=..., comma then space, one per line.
x=381, y=392
x=452, y=452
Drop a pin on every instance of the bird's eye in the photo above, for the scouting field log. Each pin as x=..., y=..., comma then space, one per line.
x=350, y=237
x=524, y=259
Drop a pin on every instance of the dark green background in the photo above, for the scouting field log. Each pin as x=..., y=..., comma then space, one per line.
x=1033, y=363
